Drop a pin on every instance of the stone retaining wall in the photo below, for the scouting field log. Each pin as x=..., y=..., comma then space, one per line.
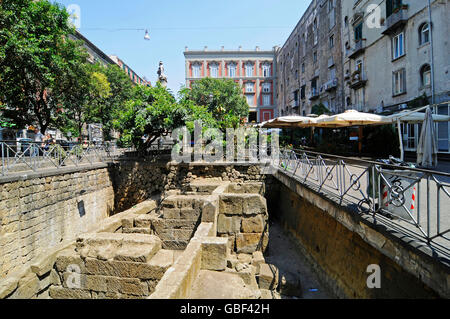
x=341, y=244
x=39, y=212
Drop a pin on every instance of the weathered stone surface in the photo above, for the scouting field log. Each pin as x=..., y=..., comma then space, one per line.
x=137, y=230
x=204, y=230
x=27, y=287
x=141, y=254
x=268, y=277
x=253, y=224
x=210, y=210
x=245, y=258
x=66, y=293
x=224, y=224
x=117, y=239
x=249, y=243
x=143, y=221
x=128, y=286
x=231, y=204
x=162, y=261
x=214, y=253
x=67, y=258
x=124, y=269
x=51, y=278
x=254, y=204
x=44, y=264
x=7, y=286
x=257, y=260
x=290, y=285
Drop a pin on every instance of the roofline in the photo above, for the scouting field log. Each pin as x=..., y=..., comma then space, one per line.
x=94, y=47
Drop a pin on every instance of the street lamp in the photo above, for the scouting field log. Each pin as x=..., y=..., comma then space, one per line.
x=147, y=36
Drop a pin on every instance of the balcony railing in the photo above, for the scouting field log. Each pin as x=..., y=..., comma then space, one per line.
x=360, y=47
x=331, y=85
x=396, y=20
x=358, y=80
x=314, y=94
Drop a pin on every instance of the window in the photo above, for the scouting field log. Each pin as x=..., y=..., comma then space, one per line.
x=214, y=70
x=266, y=87
x=315, y=56
x=399, y=82
x=266, y=100
x=332, y=74
x=359, y=32
x=303, y=67
x=303, y=92
x=424, y=34
x=232, y=70
x=196, y=71
x=250, y=99
x=249, y=87
x=266, y=70
x=391, y=6
x=332, y=41
x=425, y=75
x=398, y=46
x=249, y=70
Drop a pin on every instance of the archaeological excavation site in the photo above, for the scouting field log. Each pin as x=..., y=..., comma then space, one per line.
x=136, y=229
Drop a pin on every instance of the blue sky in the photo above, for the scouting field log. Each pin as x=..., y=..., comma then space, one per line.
x=174, y=24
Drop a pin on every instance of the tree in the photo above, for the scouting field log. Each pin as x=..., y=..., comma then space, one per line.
x=121, y=91
x=151, y=114
x=222, y=98
x=37, y=58
x=89, y=89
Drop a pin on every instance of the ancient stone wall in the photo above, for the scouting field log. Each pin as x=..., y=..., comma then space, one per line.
x=340, y=245
x=40, y=211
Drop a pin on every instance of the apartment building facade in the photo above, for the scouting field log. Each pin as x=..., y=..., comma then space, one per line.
x=393, y=55
x=309, y=64
x=255, y=71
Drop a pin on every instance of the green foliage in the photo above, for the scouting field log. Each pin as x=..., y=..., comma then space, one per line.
x=37, y=61
x=381, y=141
x=222, y=98
x=320, y=109
x=151, y=114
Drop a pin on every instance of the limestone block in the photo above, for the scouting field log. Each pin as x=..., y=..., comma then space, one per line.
x=129, y=286
x=224, y=224
x=28, y=287
x=8, y=285
x=137, y=230
x=190, y=213
x=128, y=222
x=66, y=293
x=231, y=204
x=210, y=210
x=214, y=253
x=268, y=277
x=204, y=230
x=51, y=279
x=249, y=243
x=254, y=205
x=232, y=261
x=290, y=285
x=162, y=261
x=257, y=260
x=253, y=224
x=124, y=269
x=141, y=254
x=171, y=213
x=245, y=258
x=143, y=221
x=116, y=239
x=266, y=294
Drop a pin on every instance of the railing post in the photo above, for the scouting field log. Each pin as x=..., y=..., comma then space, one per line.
x=428, y=206
x=3, y=158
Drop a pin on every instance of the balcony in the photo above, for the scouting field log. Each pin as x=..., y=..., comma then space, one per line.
x=331, y=85
x=314, y=94
x=396, y=20
x=359, y=48
x=358, y=80
x=295, y=104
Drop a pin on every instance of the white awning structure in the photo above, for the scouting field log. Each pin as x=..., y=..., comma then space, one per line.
x=351, y=118
x=290, y=122
x=416, y=117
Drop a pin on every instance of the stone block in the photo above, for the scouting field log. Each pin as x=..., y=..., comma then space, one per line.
x=113, y=268
x=253, y=224
x=143, y=221
x=204, y=230
x=190, y=214
x=245, y=258
x=231, y=204
x=171, y=213
x=214, y=253
x=258, y=260
x=128, y=222
x=162, y=261
x=254, y=205
x=8, y=285
x=128, y=286
x=210, y=210
x=249, y=243
x=66, y=293
x=268, y=277
x=51, y=279
x=28, y=287
x=224, y=224
x=141, y=254
x=137, y=230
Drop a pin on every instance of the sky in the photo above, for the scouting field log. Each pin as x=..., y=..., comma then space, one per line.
x=175, y=24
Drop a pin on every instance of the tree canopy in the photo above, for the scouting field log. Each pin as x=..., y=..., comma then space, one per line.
x=37, y=60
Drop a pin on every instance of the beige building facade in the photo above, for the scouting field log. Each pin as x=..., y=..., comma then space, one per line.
x=309, y=64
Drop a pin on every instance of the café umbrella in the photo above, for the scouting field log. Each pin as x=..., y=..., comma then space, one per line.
x=427, y=147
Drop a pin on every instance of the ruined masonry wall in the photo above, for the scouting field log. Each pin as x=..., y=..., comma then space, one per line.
x=39, y=213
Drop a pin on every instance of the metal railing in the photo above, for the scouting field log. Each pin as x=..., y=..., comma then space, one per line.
x=20, y=156
x=414, y=200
